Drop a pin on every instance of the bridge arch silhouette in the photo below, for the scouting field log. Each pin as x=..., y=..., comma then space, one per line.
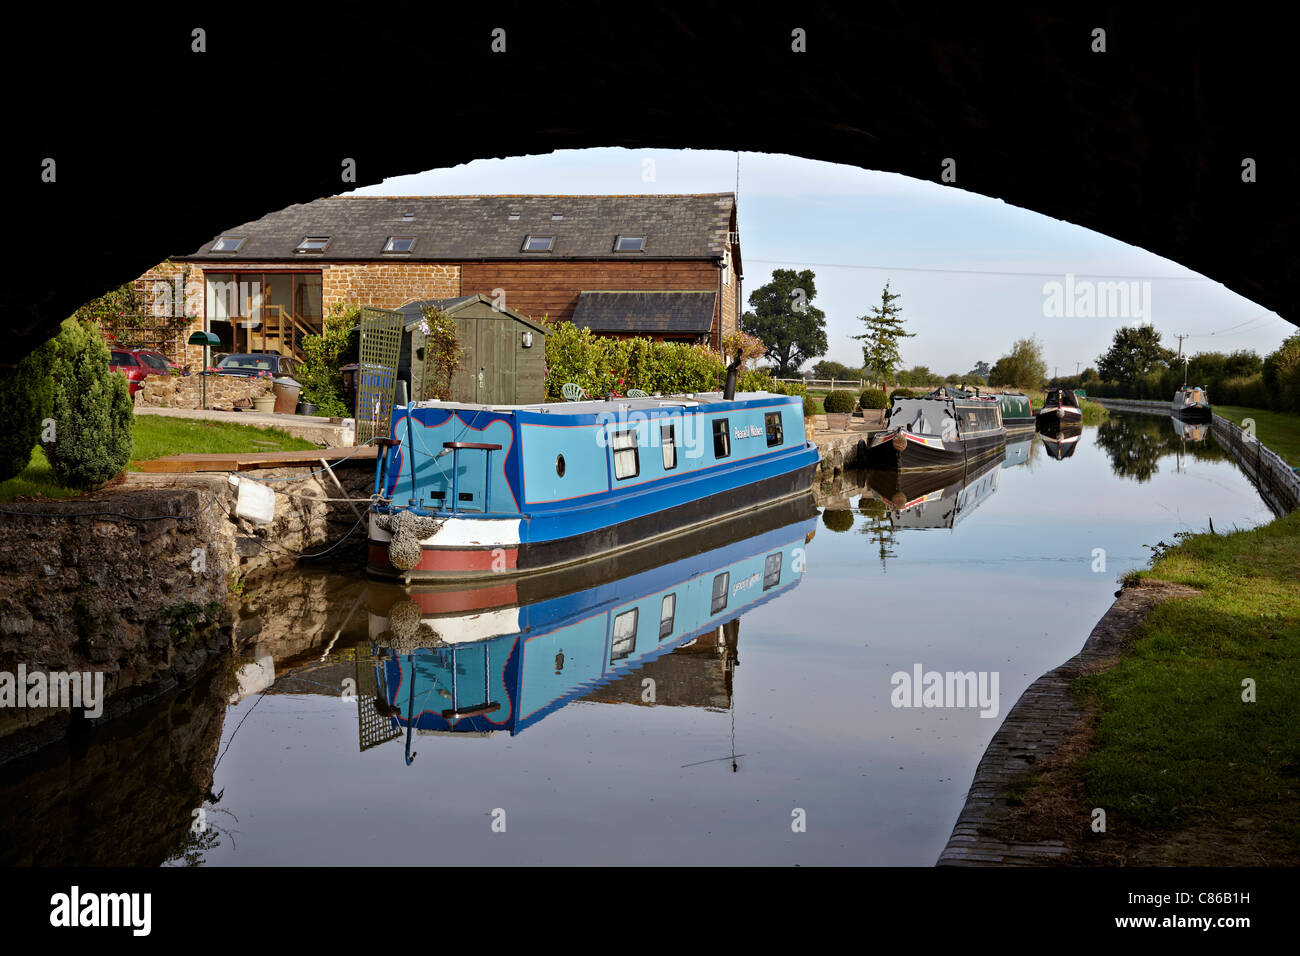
x=161, y=148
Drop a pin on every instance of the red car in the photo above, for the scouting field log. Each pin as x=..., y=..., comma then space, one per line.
x=135, y=370
x=136, y=364
x=157, y=362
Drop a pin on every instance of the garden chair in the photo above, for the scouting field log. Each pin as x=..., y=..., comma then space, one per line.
x=572, y=392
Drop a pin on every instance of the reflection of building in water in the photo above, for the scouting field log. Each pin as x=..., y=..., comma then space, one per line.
x=483, y=669
x=696, y=674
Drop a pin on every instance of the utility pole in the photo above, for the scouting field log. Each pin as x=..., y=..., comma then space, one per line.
x=1180, y=345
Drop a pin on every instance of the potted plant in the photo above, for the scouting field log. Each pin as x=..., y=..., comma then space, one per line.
x=839, y=406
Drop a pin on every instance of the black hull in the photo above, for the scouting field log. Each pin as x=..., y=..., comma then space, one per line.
x=1064, y=416
x=1193, y=414
x=916, y=457
x=1019, y=424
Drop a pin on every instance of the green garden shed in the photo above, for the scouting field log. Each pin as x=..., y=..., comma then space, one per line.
x=504, y=359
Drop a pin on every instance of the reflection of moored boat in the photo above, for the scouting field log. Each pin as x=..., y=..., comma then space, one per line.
x=1060, y=405
x=1190, y=431
x=938, y=431
x=1191, y=403
x=449, y=665
x=471, y=492
x=1018, y=450
x=935, y=499
x=1060, y=443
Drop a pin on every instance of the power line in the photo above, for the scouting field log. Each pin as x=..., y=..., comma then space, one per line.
x=978, y=272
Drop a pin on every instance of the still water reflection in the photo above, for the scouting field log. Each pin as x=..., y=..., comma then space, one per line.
x=676, y=707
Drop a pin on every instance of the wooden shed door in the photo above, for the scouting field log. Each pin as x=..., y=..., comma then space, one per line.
x=496, y=361
x=464, y=382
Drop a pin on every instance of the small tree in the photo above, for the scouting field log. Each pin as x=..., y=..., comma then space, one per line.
x=884, y=330
x=27, y=399
x=1023, y=366
x=93, y=416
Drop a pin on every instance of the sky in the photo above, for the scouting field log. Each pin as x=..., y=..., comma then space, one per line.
x=948, y=253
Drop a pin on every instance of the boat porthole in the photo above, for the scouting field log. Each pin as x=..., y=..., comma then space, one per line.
x=559, y=465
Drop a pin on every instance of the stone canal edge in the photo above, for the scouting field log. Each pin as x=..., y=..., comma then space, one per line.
x=1042, y=722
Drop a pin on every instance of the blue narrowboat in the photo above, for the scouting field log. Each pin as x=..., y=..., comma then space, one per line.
x=466, y=491
x=446, y=664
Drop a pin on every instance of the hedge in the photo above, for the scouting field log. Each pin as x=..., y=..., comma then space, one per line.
x=873, y=398
x=27, y=397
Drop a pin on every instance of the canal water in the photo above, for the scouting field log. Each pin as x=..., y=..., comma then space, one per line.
x=730, y=702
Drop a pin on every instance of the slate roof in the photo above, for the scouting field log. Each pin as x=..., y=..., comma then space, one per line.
x=645, y=312
x=413, y=312
x=451, y=228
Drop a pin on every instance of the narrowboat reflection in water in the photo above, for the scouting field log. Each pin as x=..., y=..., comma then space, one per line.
x=1018, y=451
x=1190, y=431
x=459, y=661
x=938, y=499
x=1059, y=440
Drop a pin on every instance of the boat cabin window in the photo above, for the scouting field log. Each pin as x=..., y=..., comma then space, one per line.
x=627, y=464
x=624, y=641
x=721, y=438
x=668, y=446
x=772, y=571
x=720, y=585
x=667, y=611
x=773, y=422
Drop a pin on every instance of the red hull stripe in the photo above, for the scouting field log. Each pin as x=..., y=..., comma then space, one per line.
x=449, y=559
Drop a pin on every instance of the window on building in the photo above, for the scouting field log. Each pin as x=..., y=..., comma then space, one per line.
x=721, y=583
x=314, y=244
x=228, y=243
x=399, y=244
x=668, y=446
x=514, y=215
x=772, y=570
x=721, y=438
x=557, y=216
x=624, y=638
x=538, y=243
x=667, y=612
x=629, y=244
x=627, y=464
x=775, y=434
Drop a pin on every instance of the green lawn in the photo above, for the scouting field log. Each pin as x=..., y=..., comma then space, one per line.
x=1277, y=430
x=157, y=436
x=1176, y=745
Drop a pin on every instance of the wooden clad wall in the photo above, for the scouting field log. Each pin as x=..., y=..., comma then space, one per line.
x=551, y=287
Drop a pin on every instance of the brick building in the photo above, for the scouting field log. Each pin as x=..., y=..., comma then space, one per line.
x=663, y=266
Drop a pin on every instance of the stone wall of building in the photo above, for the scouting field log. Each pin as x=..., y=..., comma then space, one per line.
x=387, y=285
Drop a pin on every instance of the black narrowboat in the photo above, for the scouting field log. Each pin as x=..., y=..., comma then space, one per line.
x=945, y=429
x=1060, y=405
